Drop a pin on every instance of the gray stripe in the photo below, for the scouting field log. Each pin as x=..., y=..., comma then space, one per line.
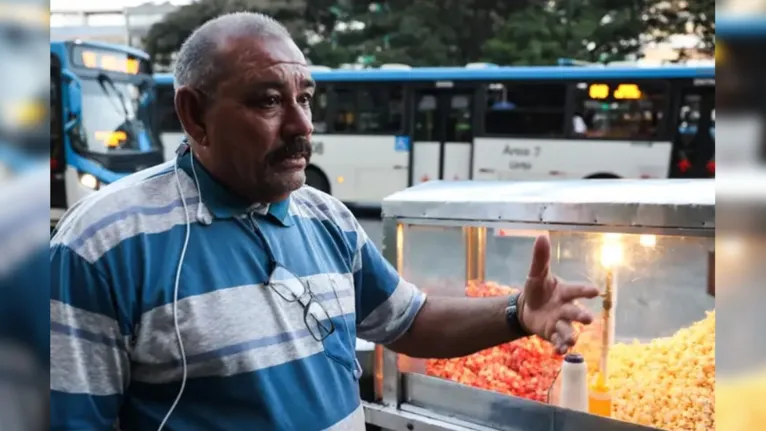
x=96, y=206
x=234, y=330
x=81, y=366
x=310, y=202
x=109, y=217
x=235, y=359
x=77, y=320
x=391, y=319
x=352, y=422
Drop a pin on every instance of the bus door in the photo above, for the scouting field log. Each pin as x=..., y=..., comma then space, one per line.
x=442, y=135
x=694, y=142
x=58, y=157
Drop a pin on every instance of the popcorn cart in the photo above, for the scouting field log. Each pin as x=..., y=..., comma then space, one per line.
x=650, y=351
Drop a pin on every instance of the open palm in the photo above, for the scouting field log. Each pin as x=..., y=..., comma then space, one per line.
x=548, y=305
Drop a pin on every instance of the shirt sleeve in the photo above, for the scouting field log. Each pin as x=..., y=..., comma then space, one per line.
x=88, y=351
x=386, y=304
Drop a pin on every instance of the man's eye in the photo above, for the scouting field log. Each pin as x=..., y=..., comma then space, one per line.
x=305, y=99
x=270, y=101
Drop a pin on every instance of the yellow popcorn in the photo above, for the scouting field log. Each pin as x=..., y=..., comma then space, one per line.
x=668, y=383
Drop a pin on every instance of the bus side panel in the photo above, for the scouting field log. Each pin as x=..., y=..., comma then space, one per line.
x=362, y=169
x=546, y=159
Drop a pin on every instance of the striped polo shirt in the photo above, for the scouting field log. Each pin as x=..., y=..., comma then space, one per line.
x=252, y=364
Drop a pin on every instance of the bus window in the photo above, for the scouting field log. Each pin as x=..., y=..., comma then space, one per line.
x=426, y=118
x=372, y=107
x=377, y=110
x=528, y=109
x=319, y=110
x=381, y=110
x=620, y=110
x=345, y=109
x=459, y=119
x=394, y=115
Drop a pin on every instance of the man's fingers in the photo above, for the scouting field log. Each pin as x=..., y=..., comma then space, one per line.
x=563, y=336
x=571, y=292
x=570, y=312
x=574, y=313
x=541, y=258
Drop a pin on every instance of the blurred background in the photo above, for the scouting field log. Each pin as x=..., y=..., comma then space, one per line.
x=102, y=113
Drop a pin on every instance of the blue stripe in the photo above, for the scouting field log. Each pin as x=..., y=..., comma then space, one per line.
x=376, y=281
x=93, y=229
x=311, y=394
x=504, y=73
x=85, y=335
x=77, y=283
x=516, y=73
x=327, y=296
x=232, y=255
x=81, y=412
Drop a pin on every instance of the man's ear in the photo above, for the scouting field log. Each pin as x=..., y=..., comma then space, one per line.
x=190, y=110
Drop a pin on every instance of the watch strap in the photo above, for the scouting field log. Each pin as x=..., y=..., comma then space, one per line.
x=512, y=314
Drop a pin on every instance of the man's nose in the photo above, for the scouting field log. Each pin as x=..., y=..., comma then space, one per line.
x=297, y=121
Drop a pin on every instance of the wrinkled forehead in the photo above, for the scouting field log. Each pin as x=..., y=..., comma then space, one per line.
x=271, y=60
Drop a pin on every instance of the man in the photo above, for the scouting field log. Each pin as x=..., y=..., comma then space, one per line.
x=222, y=295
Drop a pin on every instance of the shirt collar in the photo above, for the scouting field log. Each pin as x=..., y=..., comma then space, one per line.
x=222, y=203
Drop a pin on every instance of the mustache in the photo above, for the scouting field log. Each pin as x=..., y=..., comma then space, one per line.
x=299, y=146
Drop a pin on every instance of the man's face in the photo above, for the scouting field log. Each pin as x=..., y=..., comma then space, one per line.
x=257, y=123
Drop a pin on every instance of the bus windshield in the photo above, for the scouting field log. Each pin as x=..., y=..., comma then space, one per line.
x=115, y=116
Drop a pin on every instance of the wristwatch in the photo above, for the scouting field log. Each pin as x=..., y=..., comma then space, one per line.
x=512, y=318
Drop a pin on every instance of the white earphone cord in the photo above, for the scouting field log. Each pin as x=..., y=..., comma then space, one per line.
x=177, y=282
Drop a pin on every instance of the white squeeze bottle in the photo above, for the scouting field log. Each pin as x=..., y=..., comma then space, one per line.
x=574, y=383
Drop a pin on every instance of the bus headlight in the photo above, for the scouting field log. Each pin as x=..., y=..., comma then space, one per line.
x=89, y=181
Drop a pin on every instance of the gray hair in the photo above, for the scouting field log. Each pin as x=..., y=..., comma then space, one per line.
x=196, y=62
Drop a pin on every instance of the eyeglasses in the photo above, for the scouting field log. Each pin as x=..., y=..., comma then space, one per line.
x=291, y=288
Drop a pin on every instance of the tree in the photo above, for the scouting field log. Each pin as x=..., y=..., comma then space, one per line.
x=588, y=30
x=695, y=17
x=302, y=18
x=455, y=32
x=532, y=36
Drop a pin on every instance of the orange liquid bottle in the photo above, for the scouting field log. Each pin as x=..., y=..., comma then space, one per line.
x=600, y=396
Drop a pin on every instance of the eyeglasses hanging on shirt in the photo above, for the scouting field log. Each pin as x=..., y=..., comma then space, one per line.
x=292, y=288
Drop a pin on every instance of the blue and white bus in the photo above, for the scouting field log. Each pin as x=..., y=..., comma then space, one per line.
x=378, y=131
x=101, y=97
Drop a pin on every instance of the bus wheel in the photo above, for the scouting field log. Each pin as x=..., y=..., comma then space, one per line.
x=317, y=179
x=602, y=177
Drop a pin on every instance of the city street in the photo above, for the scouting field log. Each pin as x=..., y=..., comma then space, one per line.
x=660, y=288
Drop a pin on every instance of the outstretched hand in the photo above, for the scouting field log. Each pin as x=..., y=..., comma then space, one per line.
x=548, y=305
